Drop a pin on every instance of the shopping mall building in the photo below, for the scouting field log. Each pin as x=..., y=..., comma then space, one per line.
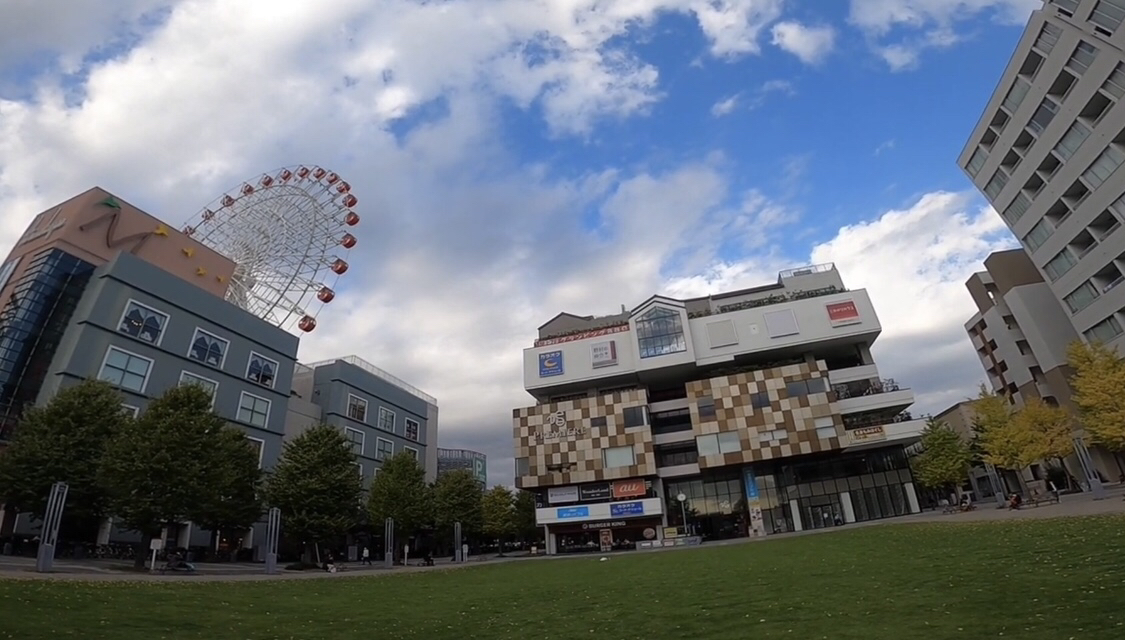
x=747, y=413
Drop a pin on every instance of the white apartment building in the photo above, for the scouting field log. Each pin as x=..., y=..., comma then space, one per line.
x=739, y=414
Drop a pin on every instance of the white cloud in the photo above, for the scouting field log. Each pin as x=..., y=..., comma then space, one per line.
x=885, y=146
x=725, y=106
x=465, y=247
x=811, y=44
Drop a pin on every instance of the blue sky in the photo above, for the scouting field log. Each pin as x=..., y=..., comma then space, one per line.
x=517, y=158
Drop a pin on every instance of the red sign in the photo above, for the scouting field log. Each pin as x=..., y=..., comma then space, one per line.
x=582, y=335
x=629, y=488
x=842, y=312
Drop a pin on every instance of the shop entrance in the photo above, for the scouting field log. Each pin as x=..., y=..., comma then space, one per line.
x=603, y=536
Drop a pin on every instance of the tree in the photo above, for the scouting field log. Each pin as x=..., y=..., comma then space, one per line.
x=316, y=486
x=400, y=492
x=498, y=507
x=64, y=440
x=164, y=467
x=457, y=498
x=1099, y=377
x=524, y=516
x=944, y=457
x=1050, y=428
x=234, y=503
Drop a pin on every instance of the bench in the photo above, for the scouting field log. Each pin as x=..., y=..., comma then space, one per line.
x=1041, y=498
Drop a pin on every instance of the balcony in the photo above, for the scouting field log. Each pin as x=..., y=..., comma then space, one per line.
x=858, y=421
x=679, y=470
x=780, y=298
x=853, y=374
x=871, y=395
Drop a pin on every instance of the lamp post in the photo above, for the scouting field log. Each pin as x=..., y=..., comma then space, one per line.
x=683, y=510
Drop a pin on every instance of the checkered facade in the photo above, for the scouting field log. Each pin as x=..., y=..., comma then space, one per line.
x=576, y=456
x=797, y=416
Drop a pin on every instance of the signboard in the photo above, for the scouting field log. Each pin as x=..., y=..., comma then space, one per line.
x=603, y=354
x=110, y=218
x=555, y=428
x=605, y=536
x=480, y=472
x=842, y=313
x=627, y=509
x=629, y=489
x=594, y=492
x=867, y=434
x=573, y=512
x=612, y=524
x=550, y=364
x=562, y=495
x=582, y=335
x=754, y=504
x=44, y=225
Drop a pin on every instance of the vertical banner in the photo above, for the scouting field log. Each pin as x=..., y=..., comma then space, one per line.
x=753, y=504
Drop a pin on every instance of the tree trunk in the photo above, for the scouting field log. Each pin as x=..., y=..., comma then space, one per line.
x=145, y=551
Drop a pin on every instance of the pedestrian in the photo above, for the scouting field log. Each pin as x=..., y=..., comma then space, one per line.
x=366, y=556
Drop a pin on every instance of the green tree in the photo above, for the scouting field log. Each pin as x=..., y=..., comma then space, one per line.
x=498, y=507
x=524, y=517
x=1099, y=377
x=457, y=498
x=945, y=457
x=400, y=492
x=234, y=502
x=64, y=440
x=164, y=467
x=316, y=486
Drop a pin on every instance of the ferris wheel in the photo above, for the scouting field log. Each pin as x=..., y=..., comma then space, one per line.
x=287, y=233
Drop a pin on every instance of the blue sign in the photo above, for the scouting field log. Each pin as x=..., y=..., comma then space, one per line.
x=627, y=509
x=550, y=364
x=751, y=485
x=573, y=512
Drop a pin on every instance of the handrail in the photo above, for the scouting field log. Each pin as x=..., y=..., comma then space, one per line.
x=378, y=373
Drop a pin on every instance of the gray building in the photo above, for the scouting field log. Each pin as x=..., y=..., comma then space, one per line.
x=379, y=413
x=1046, y=154
x=463, y=460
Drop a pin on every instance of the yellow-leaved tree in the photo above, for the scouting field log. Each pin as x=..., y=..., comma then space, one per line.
x=1048, y=430
x=1098, y=382
x=1000, y=443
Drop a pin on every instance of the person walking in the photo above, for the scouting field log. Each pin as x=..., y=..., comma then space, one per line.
x=366, y=556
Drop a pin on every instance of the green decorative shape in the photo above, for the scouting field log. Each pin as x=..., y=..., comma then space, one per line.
x=111, y=202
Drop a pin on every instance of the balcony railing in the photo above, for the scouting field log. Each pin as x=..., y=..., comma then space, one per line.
x=780, y=298
x=859, y=421
x=865, y=388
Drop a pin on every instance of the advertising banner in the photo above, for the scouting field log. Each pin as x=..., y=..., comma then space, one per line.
x=603, y=354
x=629, y=489
x=753, y=504
x=627, y=509
x=550, y=364
x=573, y=512
x=594, y=491
x=842, y=313
x=562, y=495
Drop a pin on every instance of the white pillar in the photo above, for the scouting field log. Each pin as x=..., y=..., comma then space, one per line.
x=796, y=512
x=104, y=529
x=552, y=543
x=248, y=539
x=846, y=505
x=183, y=539
x=912, y=497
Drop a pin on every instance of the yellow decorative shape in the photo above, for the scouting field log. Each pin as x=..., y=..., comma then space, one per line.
x=200, y=271
x=189, y=251
x=161, y=230
x=220, y=278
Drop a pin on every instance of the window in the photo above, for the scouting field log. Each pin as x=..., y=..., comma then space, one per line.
x=523, y=467
x=357, y=408
x=356, y=439
x=996, y=184
x=598, y=422
x=412, y=429
x=1016, y=94
x=411, y=451
x=142, y=322
x=130, y=410
x=797, y=388
x=359, y=468
x=824, y=433
x=1103, y=166
x=706, y=408
x=1072, y=140
x=386, y=419
x=384, y=449
x=1059, y=265
x=634, y=417
x=261, y=369
x=6, y=271
x=208, y=385
x=976, y=161
x=660, y=332
x=208, y=348
x=718, y=443
x=126, y=370
x=1015, y=211
x=770, y=437
x=760, y=400
x=258, y=447
x=1038, y=235
x=1081, y=297
x=1083, y=56
x=253, y=410
x=1115, y=83
x=614, y=457
x=1108, y=14
x=1048, y=36
x=1104, y=331
x=1043, y=115
x=1069, y=5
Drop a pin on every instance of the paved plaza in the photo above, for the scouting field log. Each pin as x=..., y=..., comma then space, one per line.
x=14, y=567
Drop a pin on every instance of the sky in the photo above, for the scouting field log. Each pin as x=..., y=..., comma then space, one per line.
x=518, y=158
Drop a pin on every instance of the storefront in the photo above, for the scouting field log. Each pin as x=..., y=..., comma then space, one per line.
x=605, y=535
x=600, y=516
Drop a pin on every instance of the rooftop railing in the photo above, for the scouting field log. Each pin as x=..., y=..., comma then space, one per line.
x=778, y=298
x=806, y=271
x=378, y=373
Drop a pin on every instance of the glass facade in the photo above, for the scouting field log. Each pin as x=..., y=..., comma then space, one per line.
x=873, y=479
x=715, y=506
x=32, y=323
x=660, y=332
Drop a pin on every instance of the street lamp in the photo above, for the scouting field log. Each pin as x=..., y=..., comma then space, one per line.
x=683, y=510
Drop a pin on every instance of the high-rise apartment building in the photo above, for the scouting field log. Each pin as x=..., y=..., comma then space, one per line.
x=464, y=460
x=1047, y=153
x=738, y=414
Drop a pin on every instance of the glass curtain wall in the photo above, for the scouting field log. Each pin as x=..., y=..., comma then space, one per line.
x=715, y=506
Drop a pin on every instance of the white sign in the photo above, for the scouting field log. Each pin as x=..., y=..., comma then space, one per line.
x=555, y=428
x=603, y=354
x=556, y=419
x=562, y=495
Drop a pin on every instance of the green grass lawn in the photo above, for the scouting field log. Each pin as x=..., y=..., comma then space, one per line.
x=1035, y=580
